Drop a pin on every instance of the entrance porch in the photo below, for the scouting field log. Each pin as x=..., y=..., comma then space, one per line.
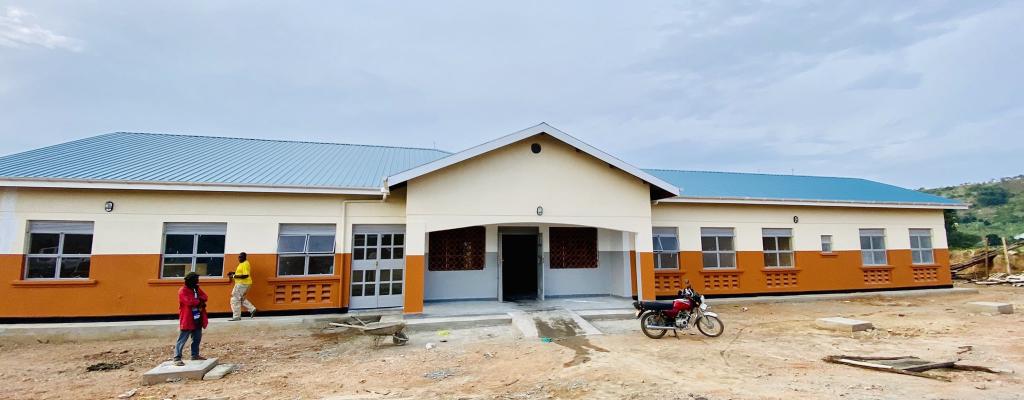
x=496, y=263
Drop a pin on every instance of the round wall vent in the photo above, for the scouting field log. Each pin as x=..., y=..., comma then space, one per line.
x=535, y=148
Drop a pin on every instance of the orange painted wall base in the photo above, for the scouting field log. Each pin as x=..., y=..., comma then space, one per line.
x=812, y=272
x=126, y=285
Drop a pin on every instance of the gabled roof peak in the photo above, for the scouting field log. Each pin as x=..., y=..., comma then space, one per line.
x=514, y=137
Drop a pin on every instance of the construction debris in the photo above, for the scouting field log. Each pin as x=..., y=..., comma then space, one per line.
x=909, y=365
x=1002, y=278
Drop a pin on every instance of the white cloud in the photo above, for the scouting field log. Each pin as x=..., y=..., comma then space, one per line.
x=16, y=30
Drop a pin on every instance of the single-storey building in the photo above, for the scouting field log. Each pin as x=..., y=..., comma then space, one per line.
x=108, y=225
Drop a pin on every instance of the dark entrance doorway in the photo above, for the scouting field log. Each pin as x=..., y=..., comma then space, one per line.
x=519, y=267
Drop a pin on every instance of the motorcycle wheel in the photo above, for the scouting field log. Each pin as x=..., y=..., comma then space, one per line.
x=656, y=319
x=710, y=326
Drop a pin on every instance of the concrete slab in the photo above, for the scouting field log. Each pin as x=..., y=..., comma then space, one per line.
x=607, y=315
x=468, y=313
x=219, y=372
x=843, y=324
x=167, y=370
x=476, y=321
x=990, y=307
x=523, y=321
x=587, y=328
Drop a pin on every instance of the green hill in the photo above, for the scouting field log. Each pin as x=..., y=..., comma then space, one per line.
x=996, y=210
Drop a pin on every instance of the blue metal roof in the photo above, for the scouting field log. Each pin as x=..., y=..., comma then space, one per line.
x=732, y=185
x=164, y=158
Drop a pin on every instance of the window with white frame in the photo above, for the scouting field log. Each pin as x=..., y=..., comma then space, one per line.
x=58, y=250
x=921, y=246
x=826, y=243
x=778, y=247
x=872, y=247
x=306, y=249
x=718, y=248
x=193, y=247
x=666, y=248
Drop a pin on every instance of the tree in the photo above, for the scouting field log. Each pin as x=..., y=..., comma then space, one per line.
x=962, y=240
x=991, y=196
x=993, y=239
x=955, y=238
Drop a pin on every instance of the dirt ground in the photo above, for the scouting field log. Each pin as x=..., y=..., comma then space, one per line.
x=768, y=351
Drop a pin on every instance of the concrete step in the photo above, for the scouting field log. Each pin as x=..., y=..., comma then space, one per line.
x=843, y=324
x=168, y=371
x=607, y=315
x=989, y=307
x=219, y=372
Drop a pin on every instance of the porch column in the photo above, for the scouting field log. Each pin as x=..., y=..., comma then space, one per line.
x=645, y=272
x=415, y=248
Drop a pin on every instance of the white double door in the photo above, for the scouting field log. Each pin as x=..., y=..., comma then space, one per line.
x=378, y=266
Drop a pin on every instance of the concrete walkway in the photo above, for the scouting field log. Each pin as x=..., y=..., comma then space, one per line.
x=436, y=315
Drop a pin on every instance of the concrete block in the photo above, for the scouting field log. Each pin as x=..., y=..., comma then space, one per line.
x=219, y=372
x=843, y=324
x=167, y=370
x=990, y=307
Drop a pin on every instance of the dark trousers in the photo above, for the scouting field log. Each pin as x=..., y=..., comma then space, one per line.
x=197, y=337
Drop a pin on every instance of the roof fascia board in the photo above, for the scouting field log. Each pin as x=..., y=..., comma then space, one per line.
x=193, y=187
x=523, y=134
x=815, y=203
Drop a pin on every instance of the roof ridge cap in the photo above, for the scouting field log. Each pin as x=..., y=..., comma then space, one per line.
x=755, y=173
x=271, y=140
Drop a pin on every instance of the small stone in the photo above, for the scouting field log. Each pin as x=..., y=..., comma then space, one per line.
x=128, y=394
x=430, y=346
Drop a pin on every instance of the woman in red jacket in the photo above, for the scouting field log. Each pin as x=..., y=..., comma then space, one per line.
x=191, y=317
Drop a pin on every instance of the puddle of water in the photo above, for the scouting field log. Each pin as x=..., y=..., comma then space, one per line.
x=564, y=332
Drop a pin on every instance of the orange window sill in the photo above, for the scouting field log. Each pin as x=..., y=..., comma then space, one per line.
x=925, y=265
x=54, y=283
x=877, y=267
x=668, y=271
x=831, y=254
x=721, y=271
x=314, y=278
x=781, y=269
x=179, y=282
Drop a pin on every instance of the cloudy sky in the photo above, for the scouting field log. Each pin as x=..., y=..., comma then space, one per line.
x=923, y=94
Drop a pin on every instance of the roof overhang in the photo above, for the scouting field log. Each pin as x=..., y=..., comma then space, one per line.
x=815, y=203
x=542, y=128
x=179, y=186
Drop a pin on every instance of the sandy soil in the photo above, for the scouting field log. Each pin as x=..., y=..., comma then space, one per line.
x=769, y=351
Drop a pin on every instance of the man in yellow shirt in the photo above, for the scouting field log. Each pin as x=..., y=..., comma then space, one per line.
x=243, y=280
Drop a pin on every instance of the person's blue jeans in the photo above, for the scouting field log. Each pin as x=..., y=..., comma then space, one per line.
x=197, y=337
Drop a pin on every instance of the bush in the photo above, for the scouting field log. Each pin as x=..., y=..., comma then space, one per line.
x=991, y=196
x=993, y=239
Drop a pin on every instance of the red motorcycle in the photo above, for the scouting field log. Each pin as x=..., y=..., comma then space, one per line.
x=659, y=317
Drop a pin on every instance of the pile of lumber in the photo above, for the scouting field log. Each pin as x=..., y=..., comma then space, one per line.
x=1001, y=278
x=909, y=365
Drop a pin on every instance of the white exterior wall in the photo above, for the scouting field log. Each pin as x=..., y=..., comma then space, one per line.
x=843, y=224
x=137, y=222
x=10, y=229
x=610, y=277
x=479, y=284
x=507, y=185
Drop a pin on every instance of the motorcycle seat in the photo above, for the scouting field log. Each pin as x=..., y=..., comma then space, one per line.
x=656, y=305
